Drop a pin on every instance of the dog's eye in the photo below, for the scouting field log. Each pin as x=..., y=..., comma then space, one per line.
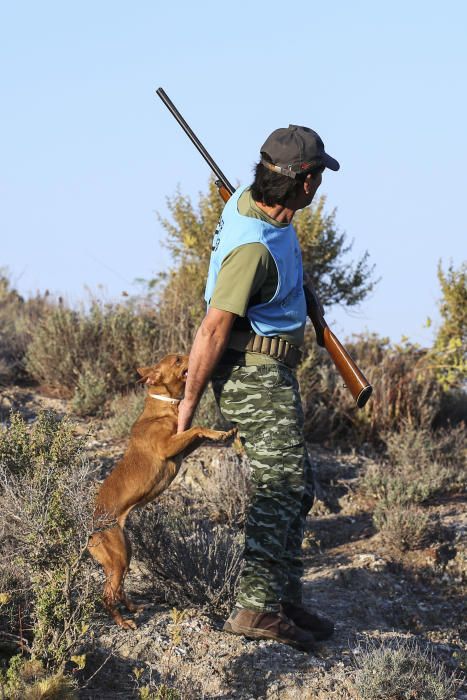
x=177, y=361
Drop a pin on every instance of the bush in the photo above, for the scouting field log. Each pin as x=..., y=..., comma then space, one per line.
x=191, y=561
x=422, y=447
x=45, y=519
x=11, y=351
x=28, y=680
x=421, y=464
x=92, y=354
x=405, y=390
x=124, y=410
x=401, y=527
x=401, y=671
x=17, y=317
x=449, y=353
x=49, y=439
x=221, y=492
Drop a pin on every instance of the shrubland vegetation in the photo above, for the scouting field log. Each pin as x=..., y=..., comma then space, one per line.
x=412, y=426
x=45, y=578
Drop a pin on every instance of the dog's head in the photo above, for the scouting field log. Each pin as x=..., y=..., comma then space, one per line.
x=170, y=373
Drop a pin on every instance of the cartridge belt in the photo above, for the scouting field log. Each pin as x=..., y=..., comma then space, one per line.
x=275, y=347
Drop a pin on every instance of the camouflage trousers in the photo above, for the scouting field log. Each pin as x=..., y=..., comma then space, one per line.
x=263, y=401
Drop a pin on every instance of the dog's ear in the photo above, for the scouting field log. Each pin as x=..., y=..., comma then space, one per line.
x=149, y=375
x=143, y=373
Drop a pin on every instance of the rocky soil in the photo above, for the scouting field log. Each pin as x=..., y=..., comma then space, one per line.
x=374, y=594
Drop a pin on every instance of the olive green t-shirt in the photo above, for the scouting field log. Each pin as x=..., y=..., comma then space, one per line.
x=248, y=276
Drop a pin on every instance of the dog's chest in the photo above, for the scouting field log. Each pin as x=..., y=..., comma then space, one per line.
x=161, y=479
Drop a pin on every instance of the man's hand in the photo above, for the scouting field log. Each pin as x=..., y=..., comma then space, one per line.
x=208, y=347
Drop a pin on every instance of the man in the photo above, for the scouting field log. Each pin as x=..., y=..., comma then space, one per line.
x=249, y=344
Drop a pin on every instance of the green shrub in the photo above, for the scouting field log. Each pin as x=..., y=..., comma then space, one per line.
x=49, y=439
x=449, y=353
x=160, y=692
x=45, y=517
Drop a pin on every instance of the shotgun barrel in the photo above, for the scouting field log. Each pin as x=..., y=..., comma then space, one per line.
x=195, y=140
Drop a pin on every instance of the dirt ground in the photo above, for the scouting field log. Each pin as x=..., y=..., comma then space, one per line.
x=372, y=593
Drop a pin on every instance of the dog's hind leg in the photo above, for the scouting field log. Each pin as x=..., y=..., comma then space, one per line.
x=127, y=602
x=110, y=550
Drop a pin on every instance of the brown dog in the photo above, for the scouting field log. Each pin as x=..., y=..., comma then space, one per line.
x=147, y=468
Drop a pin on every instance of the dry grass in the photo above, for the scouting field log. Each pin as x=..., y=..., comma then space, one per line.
x=419, y=465
x=218, y=490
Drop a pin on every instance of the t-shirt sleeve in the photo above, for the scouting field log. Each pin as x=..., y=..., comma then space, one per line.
x=243, y=272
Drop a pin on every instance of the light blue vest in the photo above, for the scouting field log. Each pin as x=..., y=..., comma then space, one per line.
x=286, y=311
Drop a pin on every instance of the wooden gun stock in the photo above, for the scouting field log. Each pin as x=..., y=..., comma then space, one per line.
x=223, y=191
x=353, y=378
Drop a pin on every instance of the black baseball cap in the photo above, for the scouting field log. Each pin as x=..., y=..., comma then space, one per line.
x=295, y=151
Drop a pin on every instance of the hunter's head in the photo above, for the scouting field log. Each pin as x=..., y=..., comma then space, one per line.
x=291, y=167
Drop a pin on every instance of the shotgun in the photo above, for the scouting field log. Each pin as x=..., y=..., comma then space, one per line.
x=354, y=379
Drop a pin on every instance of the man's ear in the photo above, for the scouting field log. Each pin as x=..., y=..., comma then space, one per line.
x=308, y=183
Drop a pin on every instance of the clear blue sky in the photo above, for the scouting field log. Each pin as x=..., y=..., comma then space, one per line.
x=89, y=154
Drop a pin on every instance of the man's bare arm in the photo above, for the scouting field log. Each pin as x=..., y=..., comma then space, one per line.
x=209, y=344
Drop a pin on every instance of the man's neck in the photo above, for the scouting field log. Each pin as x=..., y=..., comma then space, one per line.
x=281, y=214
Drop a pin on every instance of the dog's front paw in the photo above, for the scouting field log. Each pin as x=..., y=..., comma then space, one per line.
x=226, y=435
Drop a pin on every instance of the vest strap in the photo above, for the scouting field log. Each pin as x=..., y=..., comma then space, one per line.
x=276, y=347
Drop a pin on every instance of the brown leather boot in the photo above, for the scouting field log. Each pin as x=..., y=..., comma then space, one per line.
x=269, y=625
x=321, y=627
